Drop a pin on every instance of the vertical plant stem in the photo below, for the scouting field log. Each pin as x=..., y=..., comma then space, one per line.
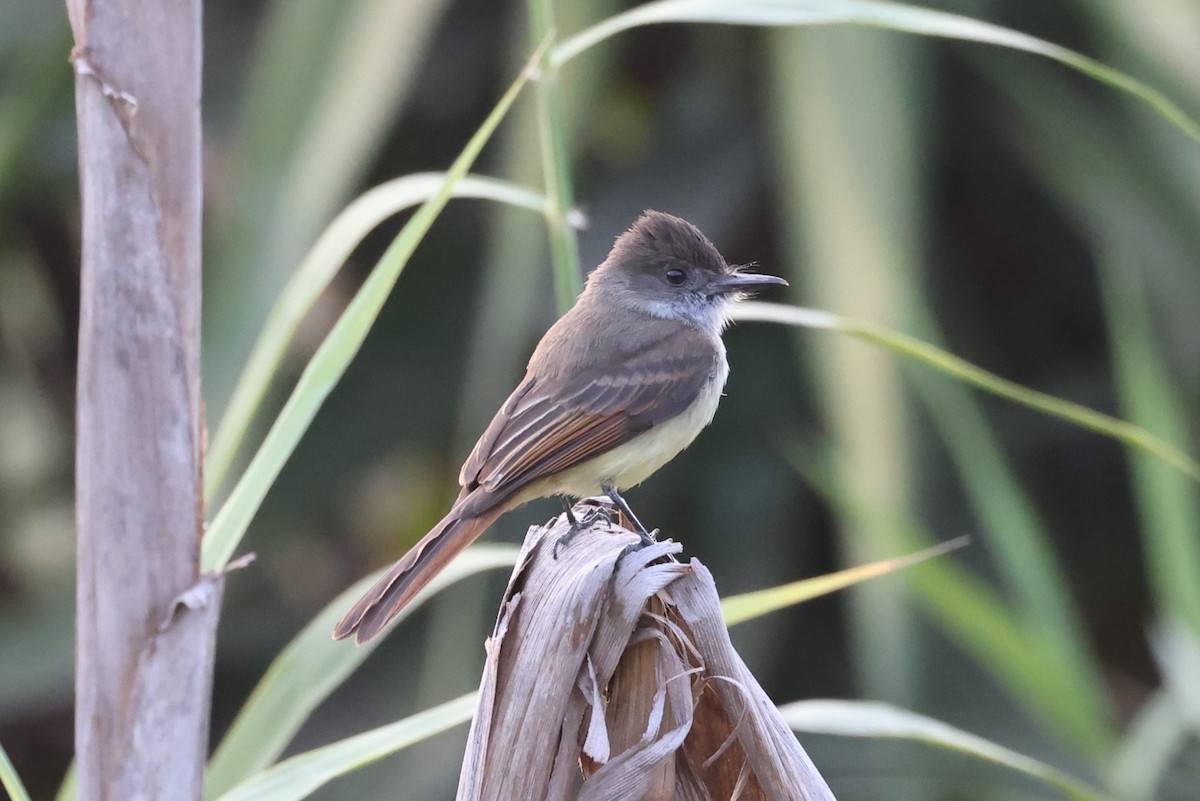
x=552, y=135
x=512, y=309
x=143, y=661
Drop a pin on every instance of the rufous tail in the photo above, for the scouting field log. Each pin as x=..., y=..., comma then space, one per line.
x=411, y=573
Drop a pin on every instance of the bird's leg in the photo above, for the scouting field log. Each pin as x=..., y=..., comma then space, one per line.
x=577, y=524
x=615, y=497
x=566, y=505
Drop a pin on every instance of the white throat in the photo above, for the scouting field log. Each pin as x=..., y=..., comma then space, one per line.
x=711, y=317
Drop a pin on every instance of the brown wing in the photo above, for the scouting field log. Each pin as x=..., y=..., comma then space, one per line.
x=550, y=424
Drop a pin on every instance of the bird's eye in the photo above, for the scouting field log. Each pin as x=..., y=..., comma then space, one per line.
x=676, y=277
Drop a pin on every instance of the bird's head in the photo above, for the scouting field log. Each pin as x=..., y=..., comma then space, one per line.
x=664, y=266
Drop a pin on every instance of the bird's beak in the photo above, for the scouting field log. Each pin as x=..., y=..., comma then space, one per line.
x=744, y=282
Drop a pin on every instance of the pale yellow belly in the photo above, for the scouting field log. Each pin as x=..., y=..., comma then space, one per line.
x=632, y=463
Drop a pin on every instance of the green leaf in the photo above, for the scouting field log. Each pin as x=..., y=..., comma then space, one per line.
x=67, y=791
x=1005, y=644
x=334, y=355
x=1177, y=652
x=556, y=168
x=1151, y=743
x=310, y=668
x=376, y=52
x=749, y=605
x=301, y=775
x=1071, y=697
x=1168, y=505
x=292, y=55
x=1161, y=726
x=1026, y=663
x=1149, y=233
x=876, y=720
x=323, y=87
x=901, y=344
x=311, y=278
x=10, y=780
x=893, y=16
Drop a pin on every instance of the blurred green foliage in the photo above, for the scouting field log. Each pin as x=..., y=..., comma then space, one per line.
x=1027, y=218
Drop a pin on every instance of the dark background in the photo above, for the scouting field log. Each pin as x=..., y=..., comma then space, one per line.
x=897, y=178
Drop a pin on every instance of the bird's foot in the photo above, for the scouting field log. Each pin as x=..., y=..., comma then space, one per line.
x=578, y=524
x=646, y=538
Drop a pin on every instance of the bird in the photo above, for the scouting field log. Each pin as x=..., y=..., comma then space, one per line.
x=616, y=388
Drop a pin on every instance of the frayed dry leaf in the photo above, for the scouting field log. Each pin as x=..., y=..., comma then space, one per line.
x=612, y=678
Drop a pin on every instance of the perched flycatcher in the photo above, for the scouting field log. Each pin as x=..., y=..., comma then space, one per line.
x=619, y=385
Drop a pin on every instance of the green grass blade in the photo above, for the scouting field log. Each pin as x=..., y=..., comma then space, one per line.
x=1086, y=721
x=288, y=60
x=556, y=169
x=309, y=669
x=1131, y=435
x=1151, y=231
x=1151, y=742
x=334, y=355
x=10, y=780
x=509, y=311
x=1020, y=542
x=747, y=606
x=301, y=775
x=1168, y=505
x=312, y=277
x=376, y=54
x=1162, y=725
x=1177, y=652
x=892, y=16
x=1019, y=653
x=324, y=86
x=291, y=56
x=67, y=791
x=1022, y=656
x=876, y=720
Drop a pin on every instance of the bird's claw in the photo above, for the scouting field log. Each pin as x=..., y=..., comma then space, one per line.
x=645, y=539
x=578, y=524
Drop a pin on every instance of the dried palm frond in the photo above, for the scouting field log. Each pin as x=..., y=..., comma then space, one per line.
x=610, y=676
